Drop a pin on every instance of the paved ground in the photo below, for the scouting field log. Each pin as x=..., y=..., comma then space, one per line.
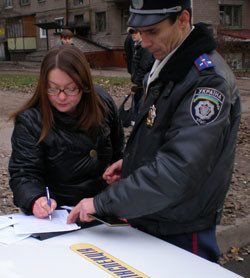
x=241, y=268
x=33, y=67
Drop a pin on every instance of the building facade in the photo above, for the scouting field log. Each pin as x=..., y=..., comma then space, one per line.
x=229, y=21
x=99, y=27
x=28, y=28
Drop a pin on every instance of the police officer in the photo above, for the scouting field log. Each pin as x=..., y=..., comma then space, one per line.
x=141, y=64
x=179, y=158
x=129, y=49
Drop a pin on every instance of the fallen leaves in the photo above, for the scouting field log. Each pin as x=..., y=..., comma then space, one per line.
x=235, y=254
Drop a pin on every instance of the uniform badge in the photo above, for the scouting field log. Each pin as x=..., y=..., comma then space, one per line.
x=137, y=4
x=206, y=105
x=203, y=62
x=151, y=116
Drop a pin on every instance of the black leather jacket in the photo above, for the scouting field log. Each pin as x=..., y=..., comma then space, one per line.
x=129, y=49
x=176, y=172
x=68, y=161
x=141, y=64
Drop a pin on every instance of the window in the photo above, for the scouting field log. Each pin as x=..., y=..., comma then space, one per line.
x=7, y=4
x=59, y=21
x=42, y=32
x=79, y=19
x=40, y=1
x=100, y=22
x=14, y=28
x=78, y=2
x=125, y=16
x=231, y=15
x=24, y=2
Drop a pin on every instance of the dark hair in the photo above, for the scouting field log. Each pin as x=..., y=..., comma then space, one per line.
x=89, y=112
x=132, y=31
x=173, y=17
x=66, y=34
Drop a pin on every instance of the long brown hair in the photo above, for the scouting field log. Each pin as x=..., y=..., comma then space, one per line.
x=90, y=111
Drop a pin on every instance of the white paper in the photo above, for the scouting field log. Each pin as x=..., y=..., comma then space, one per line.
x=5, y=221
x=67, y=207
x=8, y=236
x=29, y=224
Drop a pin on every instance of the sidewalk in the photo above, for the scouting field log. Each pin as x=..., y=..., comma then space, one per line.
x=237, y=235
x=9, y=66
x=34, y=67
x=228, y=236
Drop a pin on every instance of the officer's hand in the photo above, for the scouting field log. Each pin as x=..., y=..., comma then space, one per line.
x=81, y=210
x=113, y=172
x=133, y=90
x=41, y=208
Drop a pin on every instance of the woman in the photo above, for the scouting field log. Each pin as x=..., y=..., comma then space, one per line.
x=64, y=136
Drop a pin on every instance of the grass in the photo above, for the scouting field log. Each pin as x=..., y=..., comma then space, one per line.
x=18, y=80
x=242, y=73
x=30, y=80
x=113, y=81
x=21, y=81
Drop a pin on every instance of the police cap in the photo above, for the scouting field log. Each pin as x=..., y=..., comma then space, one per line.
x=149, y=12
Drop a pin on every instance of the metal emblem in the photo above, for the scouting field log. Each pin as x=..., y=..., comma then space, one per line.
x=137, y=4
x=204, y=110
x=151, y=116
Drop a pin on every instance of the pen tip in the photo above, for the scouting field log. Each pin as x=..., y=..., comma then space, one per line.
x=50, y=217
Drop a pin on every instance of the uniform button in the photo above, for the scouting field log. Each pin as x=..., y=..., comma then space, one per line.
x=93, y=153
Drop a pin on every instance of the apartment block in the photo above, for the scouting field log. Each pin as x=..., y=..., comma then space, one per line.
x=28, y=28
x=31, y=27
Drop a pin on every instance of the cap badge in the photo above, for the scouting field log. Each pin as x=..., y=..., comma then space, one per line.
x=137, y=4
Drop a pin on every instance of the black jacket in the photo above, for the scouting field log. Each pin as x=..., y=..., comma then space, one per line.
x=129, y=49
x=141, y=64
x=68, y=161
x=176, y=172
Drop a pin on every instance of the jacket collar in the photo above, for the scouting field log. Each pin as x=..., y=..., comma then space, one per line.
x=64, y=120
x=197, y=43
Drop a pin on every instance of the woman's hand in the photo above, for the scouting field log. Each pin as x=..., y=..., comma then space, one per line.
x=113, y=172
x=41, y=208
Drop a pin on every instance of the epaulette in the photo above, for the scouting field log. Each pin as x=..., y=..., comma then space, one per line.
x=204, y=62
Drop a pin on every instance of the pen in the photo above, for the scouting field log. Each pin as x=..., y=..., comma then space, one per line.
x=49, y=203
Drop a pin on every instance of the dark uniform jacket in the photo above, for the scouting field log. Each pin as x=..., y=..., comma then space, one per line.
x=176, y=172
x=68, y=161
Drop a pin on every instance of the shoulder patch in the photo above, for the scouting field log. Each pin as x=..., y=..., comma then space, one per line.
x=206, y=105
x=203, y=62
